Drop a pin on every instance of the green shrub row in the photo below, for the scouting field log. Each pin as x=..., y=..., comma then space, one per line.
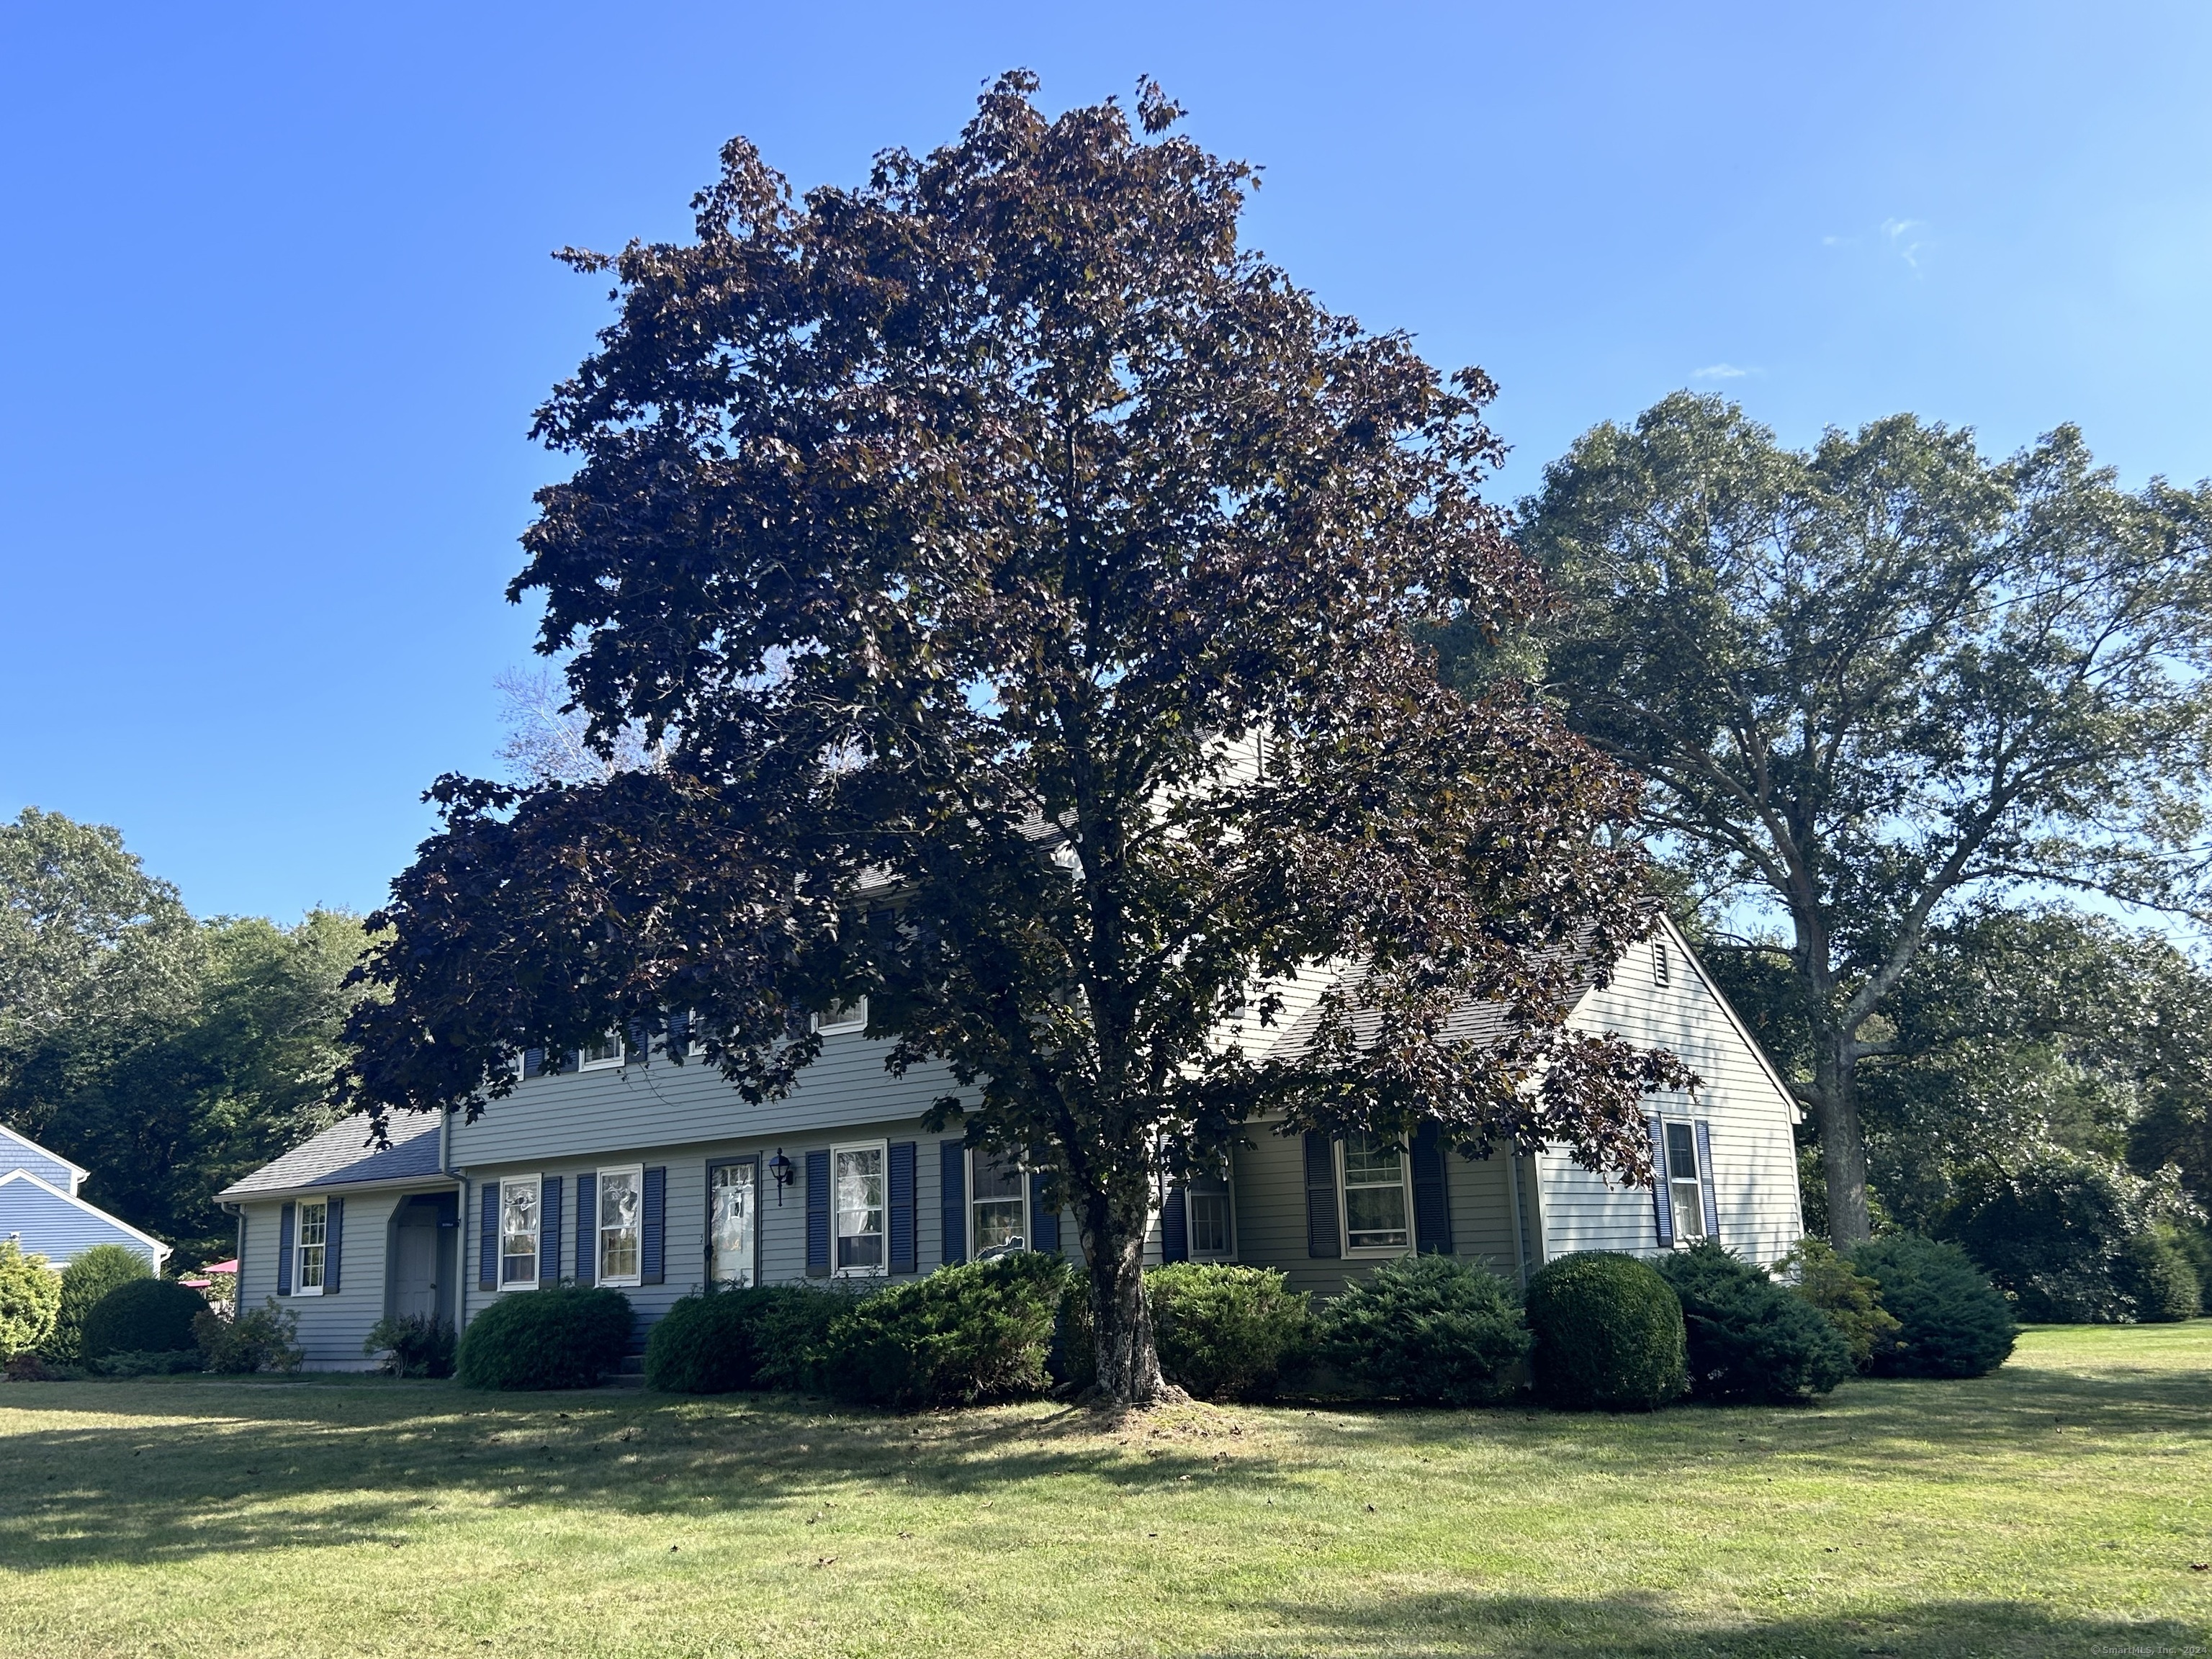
x=1596, y=1331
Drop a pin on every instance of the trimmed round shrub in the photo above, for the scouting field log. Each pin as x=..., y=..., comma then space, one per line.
x=564, y=1336
x=1749, y=1340
x=1609, y=1334
x=30, y=1297
x=703, y=1345
x=1223, y=1331
x=2159, y=1279
x=143, y=1315
x=1849, y=1301
x=956, y=1337
x=1954, y=1321
x=84, y=1281
x=1428, y=1329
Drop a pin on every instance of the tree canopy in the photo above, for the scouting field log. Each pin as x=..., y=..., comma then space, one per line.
x=1875, y=681
x=1014, y=575
x=166, y=1056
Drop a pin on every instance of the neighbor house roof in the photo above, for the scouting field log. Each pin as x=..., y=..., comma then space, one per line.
x=59, y=1224
x=20, y=1151
x=344, y=1155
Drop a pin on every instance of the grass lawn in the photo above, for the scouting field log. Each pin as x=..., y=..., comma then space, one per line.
x=2054, y=1508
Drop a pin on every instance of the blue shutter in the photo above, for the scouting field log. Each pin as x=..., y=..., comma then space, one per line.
x=679, y=1034
x=488, y=1240
x=1432, y=1233
x=952, y=1198
x=817, y=1215
x=899, y=1181
x=1322, y=1237
x=533, y=1062
x=587, y=1229
x=653, y=1230
x=1044, y=1217
x=1705, y=1179
x=549, y=1231
x=238, y=1279
x=287, y=1218
x=1662, y=1205
x=1175, y=1223
x=333, y=1241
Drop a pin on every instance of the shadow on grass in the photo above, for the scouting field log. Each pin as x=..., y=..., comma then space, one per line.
x=179, y=1469
x=171, y=1468
x=1525, y=1627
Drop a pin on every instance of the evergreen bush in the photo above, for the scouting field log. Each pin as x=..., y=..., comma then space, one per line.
x=1072, y=1361
x=263, y=1339
x=84, y=1281
x=790, y=1324
x=1954, y=1323
x=1609, y=1334
x=1223, y=1331
x=1428, y=1329
x=143, y=1316
x=563, y=1336
x=1749, y=1340
x=704, y=1344
x=413, y=1345
x=30, y=1298
x=2057, y=1233
x=959, y=1336
x=1849, y=1301
x=2159, y=1279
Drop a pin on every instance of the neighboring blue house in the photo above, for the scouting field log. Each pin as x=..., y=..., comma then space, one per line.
x=621, y=1168
x=40, y=1211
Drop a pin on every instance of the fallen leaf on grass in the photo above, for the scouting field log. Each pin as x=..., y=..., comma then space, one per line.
x=825, y=1560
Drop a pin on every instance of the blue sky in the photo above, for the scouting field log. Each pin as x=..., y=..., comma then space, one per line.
x=279, y=304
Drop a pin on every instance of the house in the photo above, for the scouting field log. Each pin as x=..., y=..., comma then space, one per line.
x=40, y=1211
x=631, y=1171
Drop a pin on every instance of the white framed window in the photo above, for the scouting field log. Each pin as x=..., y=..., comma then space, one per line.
x=1211, y=1218
x=732, y=1214
x=856, y=1204
x=1661, y=967
x=519, y=1217
x=621, y=1215
x=1373, y=1181
x=1684, y=1191
x=602, y=1055
x=311, y=1246
x=843, y=1017
x=998, y=1204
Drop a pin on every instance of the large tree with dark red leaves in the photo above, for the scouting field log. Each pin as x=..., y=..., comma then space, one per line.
x=1016, y=575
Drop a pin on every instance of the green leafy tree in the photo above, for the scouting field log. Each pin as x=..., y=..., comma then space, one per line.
x=1874, y=681
x=166, y=1056
x=1013, y=575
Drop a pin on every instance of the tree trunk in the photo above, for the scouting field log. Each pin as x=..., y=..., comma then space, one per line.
x=1120, y=1319
x=1843, y=1145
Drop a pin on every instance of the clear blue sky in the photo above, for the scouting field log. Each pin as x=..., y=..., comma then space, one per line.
x=278, y=304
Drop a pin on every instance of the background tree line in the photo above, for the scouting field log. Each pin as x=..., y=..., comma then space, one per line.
x=167, y=1056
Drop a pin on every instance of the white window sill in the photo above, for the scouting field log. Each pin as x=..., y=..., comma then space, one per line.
x=314, y=1290
x=1377, y=1252
x=521, y=1284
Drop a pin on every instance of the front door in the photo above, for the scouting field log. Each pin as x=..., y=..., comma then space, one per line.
x=415, y=1270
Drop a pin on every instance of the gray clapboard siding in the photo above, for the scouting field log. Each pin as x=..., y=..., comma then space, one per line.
x=783, y=1226
x=1754, y=1153
x=334, y=1325
x=661, y=1103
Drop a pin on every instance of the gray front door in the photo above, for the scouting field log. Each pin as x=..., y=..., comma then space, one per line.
x=415, y=1274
